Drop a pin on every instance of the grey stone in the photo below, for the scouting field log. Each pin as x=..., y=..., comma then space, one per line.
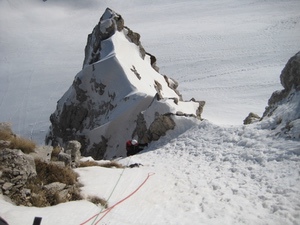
x=64, y=157
x=7, y=186
x=55, y=187
x=16, y=161
x=25, y=192
x=251, y=118
x=74, y=148
x=43, y=153
x=63, y=195
x=4, y=144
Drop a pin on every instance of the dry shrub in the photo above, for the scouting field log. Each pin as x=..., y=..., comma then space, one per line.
x=96, y=200
x=73, y=195
x=38, y=196
x=5, y=135
x=112, y=164
x=50, y=172
x=25, y=145
x=55, y=153
x=88, y=164
x=40, y=199
x=107, y=164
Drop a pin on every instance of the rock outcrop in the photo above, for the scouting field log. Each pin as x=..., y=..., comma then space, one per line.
x=22, y=181
x=18, y=172
x=118, y=95
x=251, y=118
x=71, y=155
x=282, y=115
x=16, y=169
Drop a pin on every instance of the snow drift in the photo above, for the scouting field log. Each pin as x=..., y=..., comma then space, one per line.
x=117, y=95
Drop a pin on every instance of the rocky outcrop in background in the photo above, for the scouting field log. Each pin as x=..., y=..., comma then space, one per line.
x=282, y=115
x=290, y=80
x=118, y=95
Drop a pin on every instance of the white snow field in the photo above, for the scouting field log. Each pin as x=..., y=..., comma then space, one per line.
x=228, y=53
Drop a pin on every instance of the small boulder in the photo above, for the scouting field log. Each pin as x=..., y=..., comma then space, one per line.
x=64, y=157
x=55, y=187
x=74, y=148
x=251, y=118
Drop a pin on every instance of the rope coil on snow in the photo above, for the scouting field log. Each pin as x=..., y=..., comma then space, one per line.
x=106, y=211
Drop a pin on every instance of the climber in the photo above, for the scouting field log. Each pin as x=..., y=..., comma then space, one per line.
x=133, y=147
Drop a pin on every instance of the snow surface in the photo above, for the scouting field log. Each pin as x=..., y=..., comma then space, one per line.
x=199, y=174
x=228, y=53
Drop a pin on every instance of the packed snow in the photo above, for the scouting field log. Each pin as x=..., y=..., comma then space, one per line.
x=228, y=53
x=199, y=173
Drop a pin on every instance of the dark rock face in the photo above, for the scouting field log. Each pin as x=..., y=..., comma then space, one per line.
x=290, y=75
x=157, y=129
x=290, y=80
x=109, y=23
x=93, y=47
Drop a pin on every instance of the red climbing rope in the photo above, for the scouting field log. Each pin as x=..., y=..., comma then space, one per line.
x=106, y=211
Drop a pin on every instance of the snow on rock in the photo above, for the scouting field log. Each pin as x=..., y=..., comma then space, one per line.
x=282, y=114
x=117, y=95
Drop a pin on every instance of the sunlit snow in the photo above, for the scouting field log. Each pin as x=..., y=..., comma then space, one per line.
x=228, y=53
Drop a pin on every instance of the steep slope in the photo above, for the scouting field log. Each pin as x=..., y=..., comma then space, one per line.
x=282, y=115
x=117, y=95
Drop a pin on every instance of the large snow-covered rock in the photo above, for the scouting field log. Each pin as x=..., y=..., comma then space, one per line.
x=282, y=114
x=117, y=95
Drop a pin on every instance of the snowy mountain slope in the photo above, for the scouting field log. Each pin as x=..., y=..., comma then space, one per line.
x=204, y=174
x=228, y=53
